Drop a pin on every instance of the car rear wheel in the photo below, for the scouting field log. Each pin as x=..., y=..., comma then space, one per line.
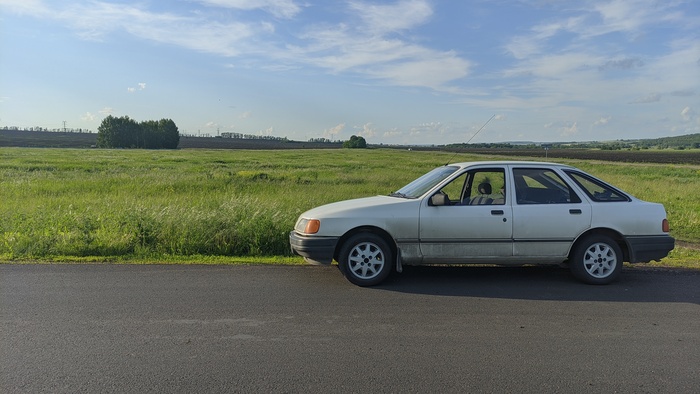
x=365, y=259
x=596, y=260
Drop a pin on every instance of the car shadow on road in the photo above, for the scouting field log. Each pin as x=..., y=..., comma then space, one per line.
x=547, y=283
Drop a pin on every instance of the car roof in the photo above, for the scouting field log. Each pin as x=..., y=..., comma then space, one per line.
x=509, y=162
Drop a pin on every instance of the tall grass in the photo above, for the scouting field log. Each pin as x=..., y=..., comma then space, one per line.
x=65, y=202
x=62, y=202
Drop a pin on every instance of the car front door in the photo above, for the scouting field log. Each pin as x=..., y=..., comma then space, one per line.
x=468, y=220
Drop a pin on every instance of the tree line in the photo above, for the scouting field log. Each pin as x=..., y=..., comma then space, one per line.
x=124, y=132
x=46, y=129
x=241, y=136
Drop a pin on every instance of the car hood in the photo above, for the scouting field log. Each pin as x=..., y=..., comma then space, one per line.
x=367, y=205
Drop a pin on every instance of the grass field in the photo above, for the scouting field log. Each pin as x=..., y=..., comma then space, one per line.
x=210, y=205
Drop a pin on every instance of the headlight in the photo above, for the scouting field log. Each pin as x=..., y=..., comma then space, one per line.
x=308, y=226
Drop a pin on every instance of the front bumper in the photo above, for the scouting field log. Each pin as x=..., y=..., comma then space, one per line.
x=319, y=249
x=644, y=249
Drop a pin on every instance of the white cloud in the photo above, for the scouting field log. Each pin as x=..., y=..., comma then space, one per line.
x=569, y=131
x=429, y=128
x=278, y=8
x=25, y=7
x=682, y=59
x=371, y=49
x=535, y=43
x=432, y=70
x=602, y=121
x=267, y=132
x=687, y=114
x=245, y=115
x=523, y=47
x=88, y=117
x=632, y=16
x=139, y=86
x=394, y=132
x=384, y=18
x=622, y=64
x=554, y=66
x=366, y=130
x=106, y=111
x=333, y=131
x=650, y=98
x=683, y=92
x=564, y=128
x=623, y=15
x=94, y=20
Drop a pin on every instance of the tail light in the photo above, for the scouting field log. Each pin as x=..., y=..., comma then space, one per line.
x=665, y=226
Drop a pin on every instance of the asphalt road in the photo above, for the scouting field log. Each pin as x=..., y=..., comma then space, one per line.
x=121, y=328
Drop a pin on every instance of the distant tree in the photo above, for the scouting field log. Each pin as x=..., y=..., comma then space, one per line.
x=162, y=134
x=320, y=140
x=116, y=132
x=355, y=142
x=151, y=134
x=169, y=133
x=124, y=132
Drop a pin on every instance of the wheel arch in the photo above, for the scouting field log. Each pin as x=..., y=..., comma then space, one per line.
x=367, y=229
x=614, y=235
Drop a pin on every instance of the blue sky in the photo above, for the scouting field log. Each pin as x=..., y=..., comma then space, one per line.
x=394, y=72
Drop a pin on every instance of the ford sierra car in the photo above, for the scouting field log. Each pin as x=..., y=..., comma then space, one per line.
x=504, y=213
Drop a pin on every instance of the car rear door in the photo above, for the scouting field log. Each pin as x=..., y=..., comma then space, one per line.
x=548, y=215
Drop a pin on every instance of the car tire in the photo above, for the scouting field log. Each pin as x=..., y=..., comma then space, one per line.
x=365, y=259
x=596, y=260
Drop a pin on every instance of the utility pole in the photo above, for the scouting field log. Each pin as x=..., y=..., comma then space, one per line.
x=64, y=126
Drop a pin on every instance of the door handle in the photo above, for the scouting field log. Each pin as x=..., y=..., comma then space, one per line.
x=496, y=212
x=575, y=211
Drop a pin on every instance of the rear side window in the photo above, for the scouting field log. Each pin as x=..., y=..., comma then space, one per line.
x=541, y=186
x=596, y=189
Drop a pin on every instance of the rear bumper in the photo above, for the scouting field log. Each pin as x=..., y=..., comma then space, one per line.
x=644, y=249
x=319, y=249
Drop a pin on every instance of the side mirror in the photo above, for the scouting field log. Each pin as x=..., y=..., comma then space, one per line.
x=438, y=200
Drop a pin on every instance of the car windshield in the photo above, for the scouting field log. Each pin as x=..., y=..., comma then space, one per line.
x=426, y=182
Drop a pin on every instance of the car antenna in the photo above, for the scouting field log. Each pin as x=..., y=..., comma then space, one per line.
x=470, y=139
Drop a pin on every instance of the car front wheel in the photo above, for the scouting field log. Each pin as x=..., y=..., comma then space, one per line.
x=365, y=259
x=596, y=260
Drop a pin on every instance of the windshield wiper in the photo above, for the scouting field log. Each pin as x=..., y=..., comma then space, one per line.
x=397, y=194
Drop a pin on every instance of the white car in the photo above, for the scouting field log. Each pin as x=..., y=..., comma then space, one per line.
x=504, y=212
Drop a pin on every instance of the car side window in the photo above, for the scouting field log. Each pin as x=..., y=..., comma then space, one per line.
x=487, y=187
x=477, y=187
x=455, y=190
x=541, y=186
x=595, y=189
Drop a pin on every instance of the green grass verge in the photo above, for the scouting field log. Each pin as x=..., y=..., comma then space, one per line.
x=679, y=257
x=164, y=259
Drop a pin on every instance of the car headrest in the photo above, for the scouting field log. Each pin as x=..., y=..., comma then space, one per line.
x=485, y=188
